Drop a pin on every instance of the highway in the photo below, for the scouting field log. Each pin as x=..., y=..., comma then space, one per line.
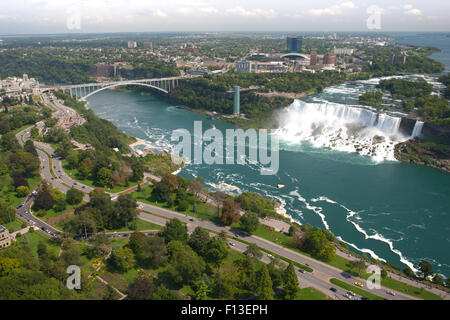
x=318, y=279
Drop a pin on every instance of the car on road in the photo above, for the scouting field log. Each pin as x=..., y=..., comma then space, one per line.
x=364, y=298
x=359, y=284
x=333, y=289
x=232, y=244
x=270, y=256
x=350, y=293
x=301, y=270
x=390, y=292
x=191, y=219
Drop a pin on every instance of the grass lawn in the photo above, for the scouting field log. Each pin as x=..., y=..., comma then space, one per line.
x=408, y=289
x=311, y=294
x=355, y=289
x=73, y=173
x=141, y=226
x=35, y=237
x=49, y=214
x=205, y=211
x=14, y=226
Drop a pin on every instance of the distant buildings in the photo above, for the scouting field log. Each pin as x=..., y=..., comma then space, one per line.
x=345, y=51
x=294, y=44
x=313, y=57
x=132, y=44
x=400, y=59
x=329, y=59
x=5, y=238
x=243, y=66
x=148, y=45
x=16, y=87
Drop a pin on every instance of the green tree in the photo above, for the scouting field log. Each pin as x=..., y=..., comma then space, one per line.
x=216, y=250
x=22, y=191
x=104, y=176
x=264, y=288
x=141, y=289
x=74, y=196
x=174, y=230
x=291, y=283
x=199, y=239
x=122, y=259
x=249, y=222
x=425, y=269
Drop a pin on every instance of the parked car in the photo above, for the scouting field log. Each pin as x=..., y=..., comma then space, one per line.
x=333, y=289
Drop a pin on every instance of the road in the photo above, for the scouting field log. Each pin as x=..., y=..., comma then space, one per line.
x=318, y=279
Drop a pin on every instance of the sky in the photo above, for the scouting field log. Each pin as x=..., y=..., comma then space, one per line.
x=98, y=16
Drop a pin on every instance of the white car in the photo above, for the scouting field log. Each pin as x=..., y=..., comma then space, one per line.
x=270, y=256
x=232, y=244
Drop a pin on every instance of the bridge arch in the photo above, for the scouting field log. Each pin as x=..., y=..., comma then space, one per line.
x=113, y=85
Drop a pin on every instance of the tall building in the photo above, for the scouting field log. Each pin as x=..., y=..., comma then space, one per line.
x=294, y=44
x=329, y=59
x=397, y=59
x=132, y=44
x=5, y=238
x=243, y=66
x=313, y=57
x=236, y=100
x=148, y=45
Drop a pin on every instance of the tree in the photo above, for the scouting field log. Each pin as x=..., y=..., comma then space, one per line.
x=104, y=176
x=201, y=290
x=44, y=200
x=219, y=197
x=249, y=222
x=264, y=288
x=153, y=252
x=276, y=272
x=165, y=187
x=425, y=269
x=185, y=262
x=74, y=196
x=317, y=244
x=199, y=239
x=229, y=212
x=8, y=266
x=22, y=191
x=141, y=289
x=174, y=230
x=71, y=252
x=291, y=283
x=216, y=250
x=384, y=273
x=253, y=251
x=122, y=259
x=196, y=186
x=60, y=205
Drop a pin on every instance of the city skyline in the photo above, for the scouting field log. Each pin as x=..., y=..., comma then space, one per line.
x=105, y=16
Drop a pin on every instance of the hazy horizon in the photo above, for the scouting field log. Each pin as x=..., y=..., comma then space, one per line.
x=26, y=17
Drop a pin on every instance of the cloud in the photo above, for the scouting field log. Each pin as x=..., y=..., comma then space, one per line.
x=333, y=10
x=209, y=10
x=413, y=12
x=348, y=4
x=239, y=11
x=160, y=14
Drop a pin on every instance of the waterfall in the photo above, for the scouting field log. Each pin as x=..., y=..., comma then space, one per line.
x=340, y=127
x=417, y=130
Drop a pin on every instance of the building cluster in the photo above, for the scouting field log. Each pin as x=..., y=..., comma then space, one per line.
x=5, y=237
x=14, y=87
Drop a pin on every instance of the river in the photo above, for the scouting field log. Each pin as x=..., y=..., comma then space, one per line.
x=391, y=210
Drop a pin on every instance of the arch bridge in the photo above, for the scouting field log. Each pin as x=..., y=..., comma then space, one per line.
x=83, y=91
